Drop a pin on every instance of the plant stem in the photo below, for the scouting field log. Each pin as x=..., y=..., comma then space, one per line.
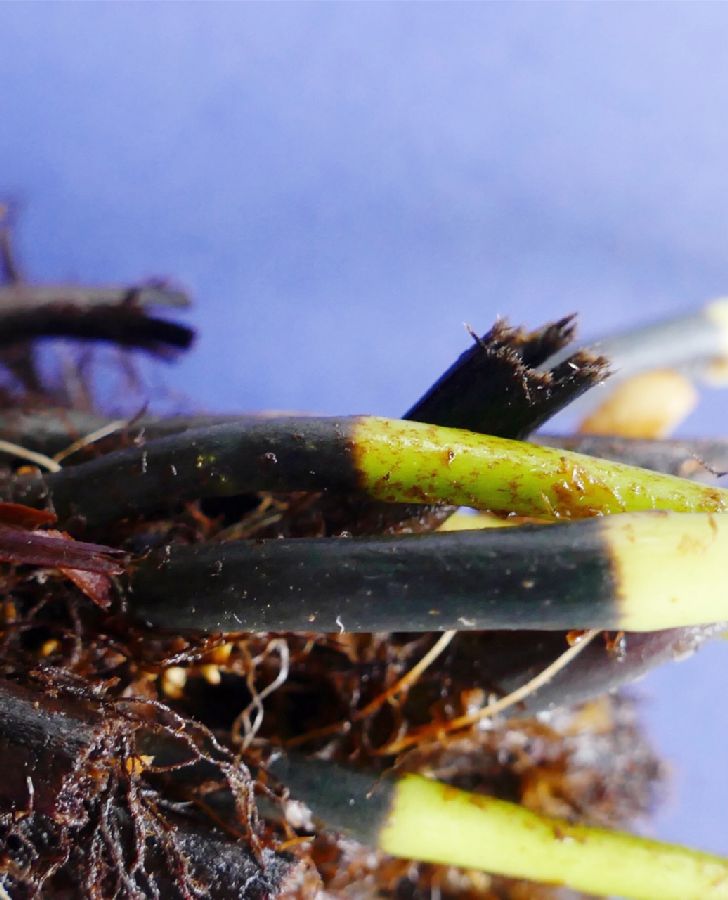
x=505, y=661
x=390, y=460
x=685, y=457
x=493, y=388
x=634, y=572
x=56, y=752
x=496, y=388
x=691, y=341
x=419, y=818
x=475, y=831
x=53, y=430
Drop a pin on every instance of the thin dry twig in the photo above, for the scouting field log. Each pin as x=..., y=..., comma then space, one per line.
x=91, y=438
x=497, y=706
x=406, y=681
x=40, y=459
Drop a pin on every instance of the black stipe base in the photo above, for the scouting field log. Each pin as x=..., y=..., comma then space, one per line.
x=537, y=577
x=353, y=802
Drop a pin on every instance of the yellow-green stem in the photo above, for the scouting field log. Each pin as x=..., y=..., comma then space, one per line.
x=432, y=822
x=408, y=461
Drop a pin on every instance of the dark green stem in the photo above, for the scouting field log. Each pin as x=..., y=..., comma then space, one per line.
x=580, y=575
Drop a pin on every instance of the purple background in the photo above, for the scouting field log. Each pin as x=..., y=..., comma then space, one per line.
x=342, y=186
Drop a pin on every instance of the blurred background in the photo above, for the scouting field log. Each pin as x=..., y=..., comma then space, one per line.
x=342, y=186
